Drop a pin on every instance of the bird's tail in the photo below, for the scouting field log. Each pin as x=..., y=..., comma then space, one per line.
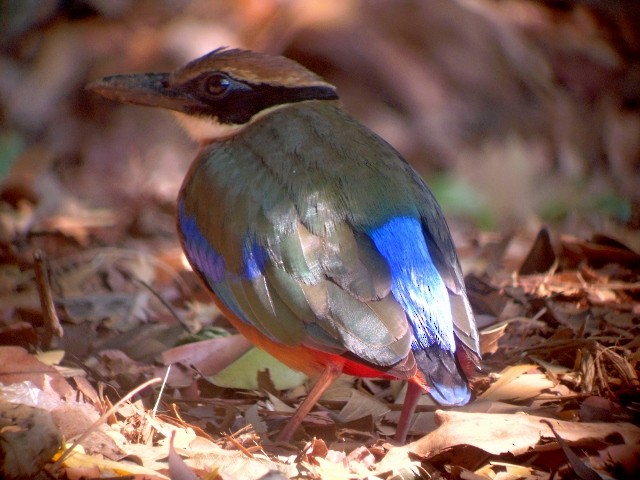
x=447, y=384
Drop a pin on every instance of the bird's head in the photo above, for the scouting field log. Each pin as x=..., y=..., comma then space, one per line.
x=216, y=95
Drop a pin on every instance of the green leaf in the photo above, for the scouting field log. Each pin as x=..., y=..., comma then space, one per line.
x=243, y=373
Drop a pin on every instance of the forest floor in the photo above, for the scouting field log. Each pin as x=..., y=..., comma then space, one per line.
x=115, y=363
x=559, y=391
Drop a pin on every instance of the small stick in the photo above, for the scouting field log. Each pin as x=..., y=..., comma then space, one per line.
x=51, y=319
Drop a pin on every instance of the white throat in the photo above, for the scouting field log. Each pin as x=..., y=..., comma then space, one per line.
x=209, y=129
x=205, y=130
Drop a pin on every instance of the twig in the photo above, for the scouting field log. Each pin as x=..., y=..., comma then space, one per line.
x=166, y=304
x=51, y=320
x=232, y=438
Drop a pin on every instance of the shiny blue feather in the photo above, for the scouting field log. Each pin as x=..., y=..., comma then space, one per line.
x=416, y=282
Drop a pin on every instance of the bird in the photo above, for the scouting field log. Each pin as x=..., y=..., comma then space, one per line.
x=317, y=240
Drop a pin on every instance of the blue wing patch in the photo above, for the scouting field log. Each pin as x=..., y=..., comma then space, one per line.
x=198, y=249
x=416, y=283
x=212, y=266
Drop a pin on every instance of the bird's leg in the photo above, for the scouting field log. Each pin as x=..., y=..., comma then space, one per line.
x=328, y=376
x=408, y=408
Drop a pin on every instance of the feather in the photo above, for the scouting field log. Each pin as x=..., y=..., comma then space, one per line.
x=416, y=283
x=447, y=385
x=352, y=261
x=362, y=331
x=319, y=242
x=270, y=314
x=324, y=247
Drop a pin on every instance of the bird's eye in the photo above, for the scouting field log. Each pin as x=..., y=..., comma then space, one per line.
x=218, y=84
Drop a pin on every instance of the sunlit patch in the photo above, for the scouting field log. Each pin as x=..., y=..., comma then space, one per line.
x=185, y=262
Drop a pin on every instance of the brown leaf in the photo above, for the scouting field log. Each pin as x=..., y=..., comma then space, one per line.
x=361, y=405
x=315, y=449
x=583, y=471
x=28, y=440
x=16, y=365
x=597, y=252
x=490, y=336
x=622, y=456
x=517, y=383
x=484, y=297
x=541, y=257
x=515, y=434
x=209, y=356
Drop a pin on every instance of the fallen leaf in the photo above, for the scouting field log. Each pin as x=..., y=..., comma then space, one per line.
x=177, y=468
x=243, y=373
x=490, y=336
x=208, y=356
x=511, y=433
x=361, y=405
x=504, y=471
x=17, y=365
x=579, y=467
x=598, y=251
x=625, y=457
x=541, y=257
x=79, y=459
x=517, y=383
x=28, y=440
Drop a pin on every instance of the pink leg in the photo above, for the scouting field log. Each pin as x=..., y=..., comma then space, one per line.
x=410, y=402
x=325, y=380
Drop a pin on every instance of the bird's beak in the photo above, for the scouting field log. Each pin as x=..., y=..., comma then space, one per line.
x=148, y=89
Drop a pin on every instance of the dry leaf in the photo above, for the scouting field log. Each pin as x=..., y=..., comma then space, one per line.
x=16, y=366
x=28, y=440
x=208, y=356
x=517, y=383
x=515, y=434
x=362, y=405
x=177, y=468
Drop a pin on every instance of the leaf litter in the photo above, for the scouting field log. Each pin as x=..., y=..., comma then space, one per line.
x=559, y=391
x=560, y=330
x=560, y=321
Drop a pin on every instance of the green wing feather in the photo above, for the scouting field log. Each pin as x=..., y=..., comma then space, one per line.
x=309, y=204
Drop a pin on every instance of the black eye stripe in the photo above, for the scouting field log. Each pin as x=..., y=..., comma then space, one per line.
x=233, y=101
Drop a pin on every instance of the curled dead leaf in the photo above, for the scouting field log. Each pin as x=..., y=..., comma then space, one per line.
x=516, y=434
